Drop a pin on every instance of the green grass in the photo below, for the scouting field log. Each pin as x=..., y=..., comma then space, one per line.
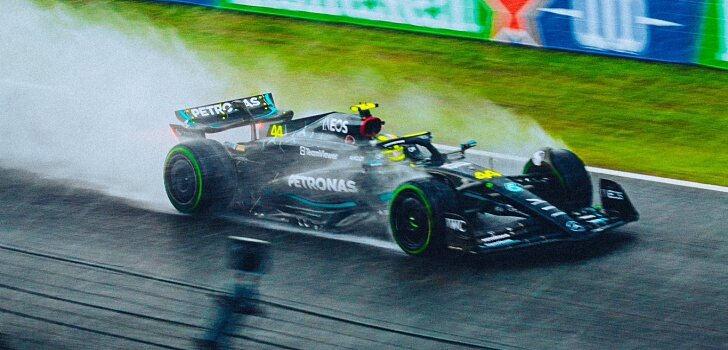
x=665, y=120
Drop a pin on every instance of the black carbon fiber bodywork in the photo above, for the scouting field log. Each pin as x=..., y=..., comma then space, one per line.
x=331, y=172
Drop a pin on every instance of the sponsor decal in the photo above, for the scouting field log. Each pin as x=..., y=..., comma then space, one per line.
x=276, y=130
x=349, y=140
x=223, y=108
x=611, y=194
x=356, y=158
x=459, y=15
x=456, y=224
x=515, y=20
x=713, y=43
x=545, y=206
x=505, y=242
x=212, y=110
x=318, y=153
x=486, y=174
x=322, y=184
x=599, y=221
x=513, y=187
x=251, y=102
x=455, y=165
x=335, y=124
x=574, y=226
x=612, y=25
x=495, y=238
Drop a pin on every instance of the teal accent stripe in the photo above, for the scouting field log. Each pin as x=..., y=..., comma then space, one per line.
x=270, y=103
x=305, y=201
x=187, y=118
x=273, y=110
x=386, y=196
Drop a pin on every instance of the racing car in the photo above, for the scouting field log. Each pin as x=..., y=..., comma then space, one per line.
x=338, y=172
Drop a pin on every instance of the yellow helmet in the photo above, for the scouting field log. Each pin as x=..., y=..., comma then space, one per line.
x=396, y=153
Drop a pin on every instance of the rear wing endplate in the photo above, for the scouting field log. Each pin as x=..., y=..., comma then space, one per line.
x=615, y=200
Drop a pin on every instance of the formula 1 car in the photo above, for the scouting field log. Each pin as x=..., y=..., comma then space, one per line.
x=337, y=172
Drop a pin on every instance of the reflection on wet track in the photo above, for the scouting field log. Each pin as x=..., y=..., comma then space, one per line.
x=83, y=270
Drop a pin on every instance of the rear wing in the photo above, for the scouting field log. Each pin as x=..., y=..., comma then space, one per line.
x=230, y=114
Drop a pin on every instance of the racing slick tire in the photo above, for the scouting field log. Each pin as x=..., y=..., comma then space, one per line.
x=199, y=177
x=574, y=186
x=416, y=216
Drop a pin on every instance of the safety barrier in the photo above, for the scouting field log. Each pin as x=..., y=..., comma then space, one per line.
x=679, y=31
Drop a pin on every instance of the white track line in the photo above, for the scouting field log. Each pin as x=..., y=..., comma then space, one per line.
x=625, y=174
x=663, y=180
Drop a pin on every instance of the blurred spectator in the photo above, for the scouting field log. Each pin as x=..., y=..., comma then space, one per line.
x=249, y=258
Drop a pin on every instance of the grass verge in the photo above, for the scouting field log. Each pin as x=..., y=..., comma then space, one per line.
x=659, y=119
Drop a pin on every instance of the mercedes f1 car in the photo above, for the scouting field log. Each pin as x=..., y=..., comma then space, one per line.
x=337, y=172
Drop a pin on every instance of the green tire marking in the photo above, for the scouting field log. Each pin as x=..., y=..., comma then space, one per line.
x=195, y=165
x=412, y=223
x=559, y=177
x=526, y=167
x=420, y=194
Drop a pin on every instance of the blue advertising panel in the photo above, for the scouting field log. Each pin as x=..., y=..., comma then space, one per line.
x=663, y=30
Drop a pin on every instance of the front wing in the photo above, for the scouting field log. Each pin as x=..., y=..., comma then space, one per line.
x=545, y=223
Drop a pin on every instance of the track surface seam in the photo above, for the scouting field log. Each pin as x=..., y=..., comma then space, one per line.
x=47, y=320
x=221, y=291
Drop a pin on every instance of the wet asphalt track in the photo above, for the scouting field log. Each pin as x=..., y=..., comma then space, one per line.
x=75, y=271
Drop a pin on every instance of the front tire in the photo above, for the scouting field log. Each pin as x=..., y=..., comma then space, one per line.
x=199, y=177
x=573, y=184
x=416, y=216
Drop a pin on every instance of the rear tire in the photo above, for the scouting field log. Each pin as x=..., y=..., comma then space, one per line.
x=416, y=216
x=199, y=177
x=574, y=186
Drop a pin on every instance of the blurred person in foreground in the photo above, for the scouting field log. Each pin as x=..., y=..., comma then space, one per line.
x=249, y=259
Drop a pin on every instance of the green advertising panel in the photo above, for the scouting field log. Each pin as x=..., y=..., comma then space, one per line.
x=714, y=44
x=462, y=18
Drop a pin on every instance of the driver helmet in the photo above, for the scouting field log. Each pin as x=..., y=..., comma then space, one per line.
x=396, y=153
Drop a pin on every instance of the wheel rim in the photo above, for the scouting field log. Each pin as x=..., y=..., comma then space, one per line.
x=411, y=222
x=182, y=180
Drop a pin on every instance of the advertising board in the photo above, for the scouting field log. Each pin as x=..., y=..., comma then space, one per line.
x=679, y=31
